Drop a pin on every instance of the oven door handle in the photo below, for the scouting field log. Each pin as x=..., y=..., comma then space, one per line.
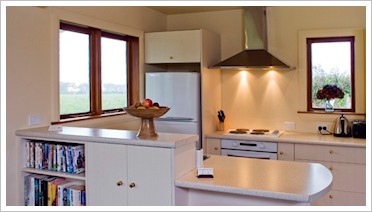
x=257, y=156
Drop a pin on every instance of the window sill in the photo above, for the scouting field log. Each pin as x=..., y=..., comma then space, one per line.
x=330, y=113
x=85, y=118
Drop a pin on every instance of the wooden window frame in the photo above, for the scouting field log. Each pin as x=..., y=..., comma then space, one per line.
x=310, y=41
x=95, y=70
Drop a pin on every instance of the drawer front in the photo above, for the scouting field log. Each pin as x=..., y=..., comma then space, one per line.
x=341, y=198
x=330, y=153
x=346, y=177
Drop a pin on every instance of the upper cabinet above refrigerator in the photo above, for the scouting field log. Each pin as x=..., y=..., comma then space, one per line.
x=173, y=47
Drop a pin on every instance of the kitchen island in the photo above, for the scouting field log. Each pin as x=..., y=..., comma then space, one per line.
x=121, y=169
x=243, y=181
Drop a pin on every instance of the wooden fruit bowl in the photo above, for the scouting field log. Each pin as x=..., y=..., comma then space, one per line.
x=147, y=113
x=147, y=129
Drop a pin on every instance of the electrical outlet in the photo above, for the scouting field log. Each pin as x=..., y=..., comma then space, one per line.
x=322, y=127
x=289, y=125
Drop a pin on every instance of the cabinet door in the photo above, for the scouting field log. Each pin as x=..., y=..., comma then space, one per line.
x=149, y=176
x=286, y=151
x=213, y=146
x=173, y=47
x=106, y=174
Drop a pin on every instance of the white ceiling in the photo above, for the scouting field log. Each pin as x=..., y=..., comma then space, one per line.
x=172, y=10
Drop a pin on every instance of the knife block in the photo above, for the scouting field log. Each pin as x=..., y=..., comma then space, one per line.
x=221, y=126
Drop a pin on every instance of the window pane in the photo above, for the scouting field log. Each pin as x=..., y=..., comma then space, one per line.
x=331, y=65
x=114, y=73
x=74, y=72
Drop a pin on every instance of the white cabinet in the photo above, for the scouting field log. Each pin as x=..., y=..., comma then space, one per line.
x=128, y=175
x=150, y=176
x=106, y=166
x=348, y=168
x=213, y=146
x=285, y=151
x=173, y=47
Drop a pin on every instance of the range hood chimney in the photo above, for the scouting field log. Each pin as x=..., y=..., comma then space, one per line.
x=255, y=55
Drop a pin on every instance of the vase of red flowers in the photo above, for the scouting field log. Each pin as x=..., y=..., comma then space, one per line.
x=329, y=93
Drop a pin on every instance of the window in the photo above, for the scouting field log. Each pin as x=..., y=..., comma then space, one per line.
x=98, y=71
x=330, y=61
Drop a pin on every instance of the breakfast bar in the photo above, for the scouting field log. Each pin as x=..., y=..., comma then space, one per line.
x=243, y=181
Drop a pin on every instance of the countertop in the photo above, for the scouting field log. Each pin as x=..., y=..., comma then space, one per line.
x=297, y=137
x=294, y=181
x=165, y=140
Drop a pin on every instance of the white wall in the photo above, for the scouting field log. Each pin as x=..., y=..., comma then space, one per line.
x=267, y=99
x=32, y=70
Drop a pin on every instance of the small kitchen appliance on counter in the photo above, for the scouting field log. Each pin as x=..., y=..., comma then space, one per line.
x=342, y=127
x=359, y=129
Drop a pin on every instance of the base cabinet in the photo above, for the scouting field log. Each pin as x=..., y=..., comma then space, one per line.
x=213, y=146
x=106, y=166
x=286, y=151
x=128, y=175
x=348, y=168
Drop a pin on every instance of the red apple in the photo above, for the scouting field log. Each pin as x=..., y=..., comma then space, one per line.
x=147, y=103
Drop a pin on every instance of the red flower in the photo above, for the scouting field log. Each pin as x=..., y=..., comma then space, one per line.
x=330, y=92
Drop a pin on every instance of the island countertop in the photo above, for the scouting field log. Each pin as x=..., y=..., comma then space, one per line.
x=165, y=140
x=283, y=180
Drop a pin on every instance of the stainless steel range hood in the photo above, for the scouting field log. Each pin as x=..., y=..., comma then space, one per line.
x=255, y=55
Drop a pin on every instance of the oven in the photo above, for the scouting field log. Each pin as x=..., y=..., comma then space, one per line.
x=249, y=149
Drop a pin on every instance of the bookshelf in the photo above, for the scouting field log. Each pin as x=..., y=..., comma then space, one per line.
x=120, y=169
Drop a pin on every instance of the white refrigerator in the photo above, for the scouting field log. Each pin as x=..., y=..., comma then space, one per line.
x=181, y=92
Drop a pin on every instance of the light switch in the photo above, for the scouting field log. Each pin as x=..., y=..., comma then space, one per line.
x=34, y=120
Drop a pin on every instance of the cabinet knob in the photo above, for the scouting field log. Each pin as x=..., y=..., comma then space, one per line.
x=331, y=151
x=132, y=185
x=331, y=168
x=281, y=153
x=216, y=148
x=119, y=183
x=330, y=196
x=171, y=57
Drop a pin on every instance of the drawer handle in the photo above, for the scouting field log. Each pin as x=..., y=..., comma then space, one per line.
x=281, y=153
x=216, y=148
x=132, y=185
x=120, y=183
x=331, y=196
x=331, y=168
x=331, y=151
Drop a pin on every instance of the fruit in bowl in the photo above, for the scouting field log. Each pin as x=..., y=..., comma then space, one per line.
x=146, y=109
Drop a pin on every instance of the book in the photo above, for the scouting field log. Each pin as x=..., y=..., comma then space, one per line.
x=38, y=179
x=69, y=159
x=75, y=158
x=62, y=192
x=29, y=192
x=59, y=148
x=48, y=193
x=83, y=198
x=75, y=194
x=54, y=185
x=32, y=154
x=78, y=159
